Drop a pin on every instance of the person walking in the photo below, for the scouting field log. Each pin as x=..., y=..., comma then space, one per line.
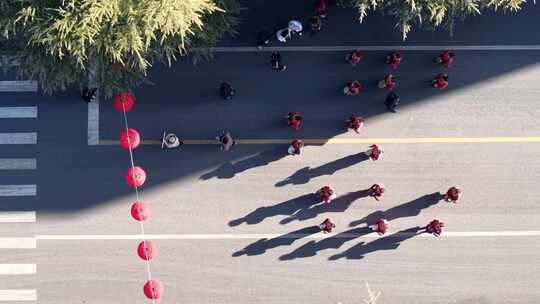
x=315, y=23
x=388, y=83
x=89, y=94
x=435, y=227
x=374, y=152
x=294, y=120
x=283, y=35
x=355, y=123
x=352, y=88
x=394, y=59
x=326, y=193
x=321, y=8
x=263, y=39
x=353, y=57
x=392, y=101
x=381, y=226
x=446, y=59
x=440, y=81
x=225, y=140
x=377, y=191
x=452, y=195
x=295, y=27
x=275, y=61
x=226, y=90
x=327, y=225
x=296, y=147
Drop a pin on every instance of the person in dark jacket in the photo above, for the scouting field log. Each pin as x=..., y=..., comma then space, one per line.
x=89, y=94
x=275, y=61
x=226, y=90
x=392, y=101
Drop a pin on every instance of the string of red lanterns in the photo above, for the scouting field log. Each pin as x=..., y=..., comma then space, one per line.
x=136, y=177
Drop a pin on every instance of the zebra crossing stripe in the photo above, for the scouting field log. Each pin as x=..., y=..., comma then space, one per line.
x=18, y=217
x=17, y=269
x=18, y=295
x=28, y=138
x=18, y=164
x=18, y=112
x=18, y=190
x=17, y=243
x=18, y=86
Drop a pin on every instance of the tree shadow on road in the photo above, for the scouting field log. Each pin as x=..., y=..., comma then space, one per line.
x=230, y=169
x=340, y=204
x=262, y=245
x=305, y=174
x=285, y=208
x=389, y=242
x=412, y=208
x=311, y=248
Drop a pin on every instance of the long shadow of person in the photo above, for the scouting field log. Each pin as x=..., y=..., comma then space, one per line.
x=311, y=248
x=262, y=245
x=389, y=242
x=340, y=204
x=230, y=169
x=285, y=208
x=303, y=175
x=412, y=208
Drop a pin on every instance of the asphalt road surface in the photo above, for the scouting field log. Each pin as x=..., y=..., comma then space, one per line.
x=238, y=227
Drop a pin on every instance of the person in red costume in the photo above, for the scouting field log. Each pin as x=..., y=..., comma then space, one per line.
x=394, y=59
x=355, y=123
x=435, y=227
x=377, y=191
x=327, y=194
x=381, y=226
x=327, y=225
x=446, y=59
x=353, y=57
x=352, y=88
x=294, y=120
x=452, y=195
x=321, y=7
x=374, y=152
x=389, y=82
x=440, y=81
x=296, y=147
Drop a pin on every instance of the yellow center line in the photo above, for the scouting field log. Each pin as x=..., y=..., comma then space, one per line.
x=337, y=141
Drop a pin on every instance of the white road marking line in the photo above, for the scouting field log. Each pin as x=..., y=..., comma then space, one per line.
x=93, y=122
x=27, y=138
x=242, y=49
x=18, y=86
x=17, y=269
x=17, y=243
x=18, y=295
x=18, y=164
x=18, y=190
x=269, y=236
x=18, y=217
x=18, y=112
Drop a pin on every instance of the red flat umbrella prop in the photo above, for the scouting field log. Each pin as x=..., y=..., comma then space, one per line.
x=123, y=102
x=153, y=289
x=130, y=138
x=135, y=177
x=140, y=211
x=147, y=250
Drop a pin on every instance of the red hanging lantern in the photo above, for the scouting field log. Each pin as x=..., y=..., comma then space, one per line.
x=135, y=177
x=140, y=211
x=153, y=289
x=147, y=250
x=123, y=101
x=130, y=138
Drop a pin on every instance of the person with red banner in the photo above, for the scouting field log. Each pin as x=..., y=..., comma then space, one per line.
x=353, y=57
x=452, y=195
x=446, y=59
x=389, y=82
x=394, y=59
x=381, y=226
x=440, y=81
x=355, y=123
x=296, y=147
x=374, y=152
x=326, y=193
x=352, y=88
x=377, y=191
x=327, y=225
x=294, y=120
x=435, y=227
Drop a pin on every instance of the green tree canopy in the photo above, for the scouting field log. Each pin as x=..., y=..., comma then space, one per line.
x=430, y=13
x=62, y=42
